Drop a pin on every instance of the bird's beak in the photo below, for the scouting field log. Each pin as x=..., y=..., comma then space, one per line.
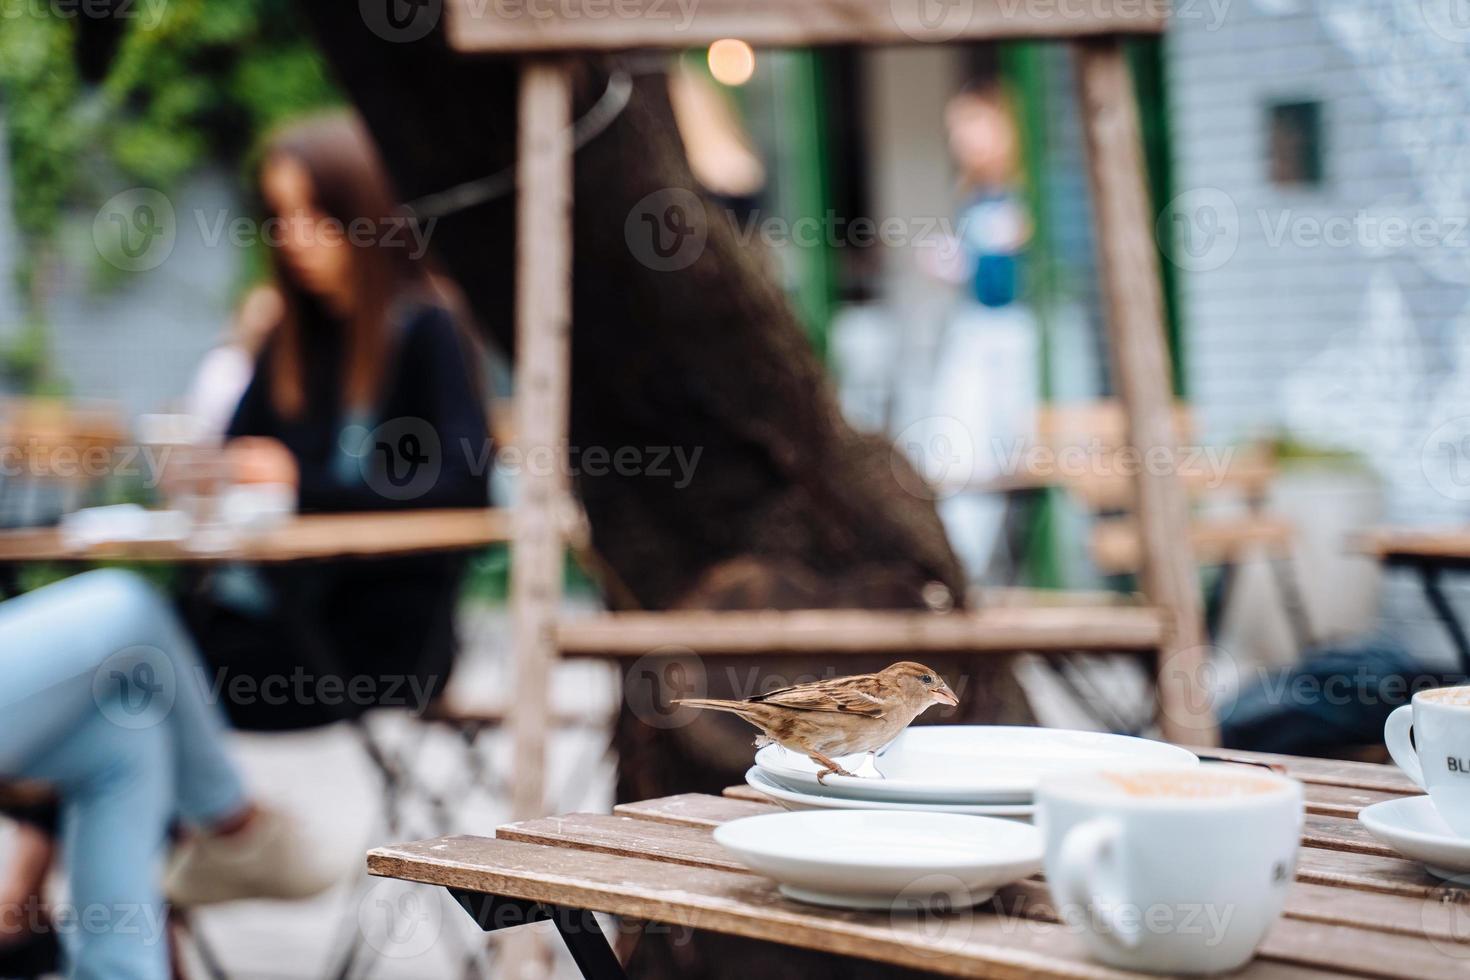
x=943, y=695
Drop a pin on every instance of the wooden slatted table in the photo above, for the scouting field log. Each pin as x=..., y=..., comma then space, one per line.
x=1430, y=552
x=1356, y=908
x=308, y=537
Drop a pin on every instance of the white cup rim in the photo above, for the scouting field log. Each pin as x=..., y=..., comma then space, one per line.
x=1419, y=698
x=1090, y=788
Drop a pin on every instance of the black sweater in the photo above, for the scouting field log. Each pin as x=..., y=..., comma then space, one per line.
x=378, y=623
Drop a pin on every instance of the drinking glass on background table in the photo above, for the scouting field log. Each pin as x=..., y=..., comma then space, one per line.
x=1171, y=871
x=1429, y=739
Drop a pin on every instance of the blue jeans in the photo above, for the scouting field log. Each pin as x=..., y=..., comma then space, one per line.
x=103, y=698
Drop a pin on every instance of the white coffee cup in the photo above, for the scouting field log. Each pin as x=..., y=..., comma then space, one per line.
x=1438, y=757
x=1171, y=871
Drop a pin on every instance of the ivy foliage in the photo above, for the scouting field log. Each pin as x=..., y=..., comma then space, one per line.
x=177, y=84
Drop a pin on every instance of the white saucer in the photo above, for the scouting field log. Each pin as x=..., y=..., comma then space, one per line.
x=793, y=800
x=972, y=763
x=882, y=859
x=1413, y=827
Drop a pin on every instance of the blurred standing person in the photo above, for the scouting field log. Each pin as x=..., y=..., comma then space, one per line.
x=365, y=398
x=987, y=375
x=225, y=371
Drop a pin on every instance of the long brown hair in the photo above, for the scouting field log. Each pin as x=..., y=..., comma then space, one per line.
x=349, y=184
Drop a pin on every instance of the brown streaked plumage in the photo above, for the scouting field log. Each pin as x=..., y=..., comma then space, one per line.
x=842, y=716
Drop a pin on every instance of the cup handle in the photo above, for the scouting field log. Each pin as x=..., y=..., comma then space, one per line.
x=1396, y=733
x=1089, y=878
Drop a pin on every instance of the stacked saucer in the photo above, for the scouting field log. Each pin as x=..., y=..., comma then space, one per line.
x=982, y=770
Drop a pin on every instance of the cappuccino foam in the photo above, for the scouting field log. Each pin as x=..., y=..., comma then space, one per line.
x=1187, y=785
x=1459, y=696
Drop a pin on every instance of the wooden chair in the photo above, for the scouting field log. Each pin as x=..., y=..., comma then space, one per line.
x=1096, y=432
x=1171, y=628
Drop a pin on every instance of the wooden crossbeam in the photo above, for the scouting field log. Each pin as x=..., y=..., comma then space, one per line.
x=522, y=26
x=904, y=634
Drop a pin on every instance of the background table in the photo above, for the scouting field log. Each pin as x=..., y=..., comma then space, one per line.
x=1431, y=553
x=366, y=534
x=1355, y=907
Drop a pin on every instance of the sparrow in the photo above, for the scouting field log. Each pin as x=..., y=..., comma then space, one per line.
x=842, y=716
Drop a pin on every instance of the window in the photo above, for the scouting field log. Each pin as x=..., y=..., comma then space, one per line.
x=1295, y=144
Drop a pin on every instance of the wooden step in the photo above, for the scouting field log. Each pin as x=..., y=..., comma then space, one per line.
x=519, y=26
x=1041, y=630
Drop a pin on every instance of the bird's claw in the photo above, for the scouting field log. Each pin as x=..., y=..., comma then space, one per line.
x=834, y=771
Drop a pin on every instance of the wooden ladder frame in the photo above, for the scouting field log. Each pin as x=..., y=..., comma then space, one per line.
x=1172, y=627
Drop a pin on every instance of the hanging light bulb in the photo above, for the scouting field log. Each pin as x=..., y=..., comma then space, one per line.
x=731, y=61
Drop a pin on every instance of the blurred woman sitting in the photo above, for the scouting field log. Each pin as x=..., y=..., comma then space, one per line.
x=364, y=398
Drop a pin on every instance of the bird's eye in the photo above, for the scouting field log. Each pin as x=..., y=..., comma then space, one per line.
x=926, y=679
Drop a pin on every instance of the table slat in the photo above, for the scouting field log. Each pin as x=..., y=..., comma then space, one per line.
x=1334, y=772
x=1412, y=913
x=963, y=944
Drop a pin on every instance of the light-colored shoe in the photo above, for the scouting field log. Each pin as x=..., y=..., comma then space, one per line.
x=270, y=857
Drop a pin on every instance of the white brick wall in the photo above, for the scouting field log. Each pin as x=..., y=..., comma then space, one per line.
x=1359, y=346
